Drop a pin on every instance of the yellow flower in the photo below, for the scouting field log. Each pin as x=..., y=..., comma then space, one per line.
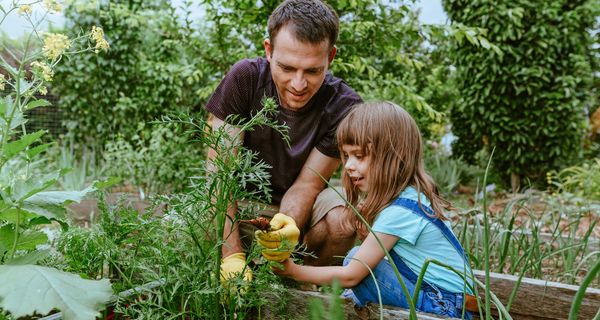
x=43, y=69
x=2, y=81
x=97, y=35
x=55, y=44
x=43, y=91
x=25, y=9
x=52, y=6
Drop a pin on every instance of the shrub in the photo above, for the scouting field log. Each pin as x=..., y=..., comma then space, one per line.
x=528, y=102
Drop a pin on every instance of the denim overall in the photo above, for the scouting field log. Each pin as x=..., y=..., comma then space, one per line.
x=431, y=299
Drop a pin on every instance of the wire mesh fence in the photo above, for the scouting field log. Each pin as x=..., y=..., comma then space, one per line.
x=49, y=118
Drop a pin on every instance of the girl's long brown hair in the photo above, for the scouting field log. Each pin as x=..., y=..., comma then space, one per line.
x=390, y=136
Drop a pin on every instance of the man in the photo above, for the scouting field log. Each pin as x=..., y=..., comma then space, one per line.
x=311, y=102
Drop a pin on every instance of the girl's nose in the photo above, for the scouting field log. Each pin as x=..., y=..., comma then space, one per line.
x=349, y=165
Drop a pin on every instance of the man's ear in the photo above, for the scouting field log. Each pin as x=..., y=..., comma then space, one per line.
x=332, y=54
x=268, y=49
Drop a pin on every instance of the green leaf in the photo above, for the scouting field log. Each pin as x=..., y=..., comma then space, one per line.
x=37, y=150
x=49, y=211
x=30, y=258
x=37, y=103
x=7, y=234
x=59, y=197
x=24, y=189
x=29, y=289
x=11, y=215
x=28, y=240
x=106, y=183
x=12, y=148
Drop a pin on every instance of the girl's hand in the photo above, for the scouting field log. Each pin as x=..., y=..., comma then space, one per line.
x=286, y=270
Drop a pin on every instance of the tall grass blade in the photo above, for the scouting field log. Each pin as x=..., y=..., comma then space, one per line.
x=581, y=292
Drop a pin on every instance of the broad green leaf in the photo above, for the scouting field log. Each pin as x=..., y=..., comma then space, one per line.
x=49, y=211
x=37, y=150
x=37, y=103
x=24, y=189
x=106, y=183
x=6, y=237
x=29, y=289
x=12, y=148
x=58, y=197
x=30, y=258
x=8, y=111
x=30, y=239
x=12, y=214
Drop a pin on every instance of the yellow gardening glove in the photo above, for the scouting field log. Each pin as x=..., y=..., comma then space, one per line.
x=281, y=240
x=233, y=265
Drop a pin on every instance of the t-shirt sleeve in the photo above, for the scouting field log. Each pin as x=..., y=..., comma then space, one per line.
x=400, y=222
x=234, y=93
x=328, y=144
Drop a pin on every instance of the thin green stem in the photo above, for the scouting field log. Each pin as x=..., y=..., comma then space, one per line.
x=486, y=245
x=16, y=237
x=581, y=292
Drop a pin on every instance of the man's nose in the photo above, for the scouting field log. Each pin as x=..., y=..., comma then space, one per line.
x=299, y=82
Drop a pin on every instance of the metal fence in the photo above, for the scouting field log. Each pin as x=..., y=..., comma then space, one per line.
x=47, y=118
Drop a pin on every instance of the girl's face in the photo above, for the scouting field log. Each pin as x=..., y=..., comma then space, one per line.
x=356, y=165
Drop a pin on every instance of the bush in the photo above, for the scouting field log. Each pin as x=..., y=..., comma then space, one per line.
x=528, y=103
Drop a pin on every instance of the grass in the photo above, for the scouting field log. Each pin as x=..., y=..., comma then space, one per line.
x=535, y=235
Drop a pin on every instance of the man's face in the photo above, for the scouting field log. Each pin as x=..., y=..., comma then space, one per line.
x=298, y=69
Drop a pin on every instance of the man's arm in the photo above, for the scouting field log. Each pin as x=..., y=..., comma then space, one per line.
x=231, y=234
x=299, y=199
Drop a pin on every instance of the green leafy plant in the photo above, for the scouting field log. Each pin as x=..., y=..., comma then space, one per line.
x=447, y=172
x=27, y=203
x=544, y=76
x=582, y=180
x=146, y=74
x=181, y=248
x=155, y=164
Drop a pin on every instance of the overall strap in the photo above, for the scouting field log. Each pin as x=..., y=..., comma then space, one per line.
x=413, y=206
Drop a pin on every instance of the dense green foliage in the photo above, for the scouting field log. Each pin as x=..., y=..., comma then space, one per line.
x=161, y=61
x=530, y=101
x=145, y=74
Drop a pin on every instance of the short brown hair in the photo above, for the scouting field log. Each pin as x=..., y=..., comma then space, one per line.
x=313, y=21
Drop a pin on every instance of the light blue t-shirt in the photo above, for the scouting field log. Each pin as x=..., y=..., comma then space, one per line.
x=419, y=240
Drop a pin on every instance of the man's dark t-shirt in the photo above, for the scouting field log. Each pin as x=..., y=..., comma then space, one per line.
x=241, y=93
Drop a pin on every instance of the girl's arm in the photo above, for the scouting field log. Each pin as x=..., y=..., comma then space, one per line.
x=369, y=254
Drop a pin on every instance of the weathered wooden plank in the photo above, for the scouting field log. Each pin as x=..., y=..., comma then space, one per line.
x=538, y=299
x=298, y=308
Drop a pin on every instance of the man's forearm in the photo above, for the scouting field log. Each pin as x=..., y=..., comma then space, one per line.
x=298, y=202
x=231, y=233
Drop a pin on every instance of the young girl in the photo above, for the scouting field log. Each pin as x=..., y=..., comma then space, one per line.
x=384, y=177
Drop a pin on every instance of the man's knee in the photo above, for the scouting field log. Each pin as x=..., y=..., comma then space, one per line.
x=341, y=223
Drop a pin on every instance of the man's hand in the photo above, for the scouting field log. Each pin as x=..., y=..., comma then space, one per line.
x=281, y=240
x=233, y=265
